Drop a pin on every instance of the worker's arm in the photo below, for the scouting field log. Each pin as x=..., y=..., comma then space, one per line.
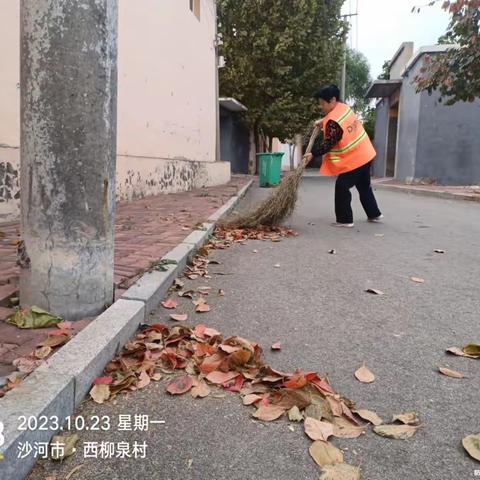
x=331, y=137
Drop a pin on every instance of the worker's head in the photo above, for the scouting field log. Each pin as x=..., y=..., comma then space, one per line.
x=328, y=98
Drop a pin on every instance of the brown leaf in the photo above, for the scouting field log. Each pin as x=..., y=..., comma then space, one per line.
x=221, y=377
x=287, y=399
x=325, y=453
x=251, y=398
x=143, y=380
x=55, y=340
x=200, y=389
x=335, y=406
x=26, y=365
x=180, y=385
x=202, y=308
x=343, y=428
x=318, y=430
x=472, y=445
x=179, y=317
x=459, y=352
x=276, y=346
x=340, y=471
x=374, y=291
x=221, y=292
x=268, y=413
x=43, y=352
x=397, y=432
x=451, y=373
x=369, y=416
x=417, y=279
x=409, y=418
x=170, y=304
x=364, y=375
x=100, y=393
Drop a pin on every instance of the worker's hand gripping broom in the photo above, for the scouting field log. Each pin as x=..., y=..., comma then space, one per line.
x=280, y=204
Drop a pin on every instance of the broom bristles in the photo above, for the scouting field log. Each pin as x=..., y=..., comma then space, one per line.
x=280, y=205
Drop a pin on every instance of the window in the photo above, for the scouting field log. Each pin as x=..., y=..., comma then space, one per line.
x=195, y=7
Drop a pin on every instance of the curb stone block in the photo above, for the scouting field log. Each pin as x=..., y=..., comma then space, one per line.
x=151, y=288
x=86, y=355
x=55, y=399
x=180, y=254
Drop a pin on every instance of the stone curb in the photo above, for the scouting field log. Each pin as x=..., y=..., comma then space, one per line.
x=58, y=386
x=428, y=193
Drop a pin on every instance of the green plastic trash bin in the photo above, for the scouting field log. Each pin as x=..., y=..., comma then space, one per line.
x=270, y=166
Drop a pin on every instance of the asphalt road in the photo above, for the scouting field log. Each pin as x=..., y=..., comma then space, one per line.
x=316, y=305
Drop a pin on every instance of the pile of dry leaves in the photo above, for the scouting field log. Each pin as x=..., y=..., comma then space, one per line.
x=207, y=360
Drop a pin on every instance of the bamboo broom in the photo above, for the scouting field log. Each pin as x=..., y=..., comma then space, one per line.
x=281, y=204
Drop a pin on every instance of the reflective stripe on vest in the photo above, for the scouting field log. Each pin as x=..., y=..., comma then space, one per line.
x=353, y=150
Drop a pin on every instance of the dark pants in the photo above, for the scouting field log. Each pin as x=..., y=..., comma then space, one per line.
x=359, y=178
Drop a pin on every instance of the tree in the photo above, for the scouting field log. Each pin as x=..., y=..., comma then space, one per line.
x=385, y=75
x=358, y=80
x=278, y=52
x=456, y=73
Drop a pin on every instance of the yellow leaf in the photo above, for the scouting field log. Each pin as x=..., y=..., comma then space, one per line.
x=472, y=349
x=340, y=471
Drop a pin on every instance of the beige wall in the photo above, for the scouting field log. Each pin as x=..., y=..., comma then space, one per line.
x=400, y=60
x=166, y=99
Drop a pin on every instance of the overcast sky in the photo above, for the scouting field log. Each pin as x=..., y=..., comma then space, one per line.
x=384, y=24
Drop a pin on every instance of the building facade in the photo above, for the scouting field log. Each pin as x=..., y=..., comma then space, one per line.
x=417, y=137
x=167, y=123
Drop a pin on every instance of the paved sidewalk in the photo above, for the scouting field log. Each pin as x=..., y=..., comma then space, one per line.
x=146, y=229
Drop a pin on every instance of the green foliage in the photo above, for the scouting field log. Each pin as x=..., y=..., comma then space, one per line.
x=385, y=75
x=456, y=73
x=358, y=80
x=278, y=52
x=369, y=116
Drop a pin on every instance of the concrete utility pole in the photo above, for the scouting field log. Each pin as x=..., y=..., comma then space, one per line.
x=344, y=65
x=68, y=154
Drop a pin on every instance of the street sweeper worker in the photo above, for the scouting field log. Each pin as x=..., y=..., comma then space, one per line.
x=347, y=154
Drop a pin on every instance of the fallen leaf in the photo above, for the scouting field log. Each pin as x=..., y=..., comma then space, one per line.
x=325, y=453
x=417, y=279
x=180, y=385
x=187, y=294
x=318, y=430
x=55, y=340
x=43, y=352
x=178, y=284
x=179, y=317
x=202, y=308
x=374, y=291
x=364, y=375
x=459, y=352
x=189, y=463
x=26, y=365
x=254, y=251
x=221, y=377
x=268, y=413
x=317, y=412
x=73, y=471
x=472, y=445
x=277, y=265
x=340, y=471
x=34, y=318
x=100, y=393
x=409, y=418
x=200, y=389
x=221, y=292
x=438, y=250
x=472, y=349
x=332, y=251
x=143, y=380
x=251, y=398
x=169, y=304
x=276, y=346
x=294, y=414
x=369, y=416
x=343, y=428
x=397, y=432
x=102, y=381
x=451, y=373
x=65, y=325
x=379, y=235
x=67, y=442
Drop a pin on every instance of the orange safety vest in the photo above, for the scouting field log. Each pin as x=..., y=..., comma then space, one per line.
x=353, y=150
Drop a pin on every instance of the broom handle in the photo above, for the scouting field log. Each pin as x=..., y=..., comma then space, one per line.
x=313, y=136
